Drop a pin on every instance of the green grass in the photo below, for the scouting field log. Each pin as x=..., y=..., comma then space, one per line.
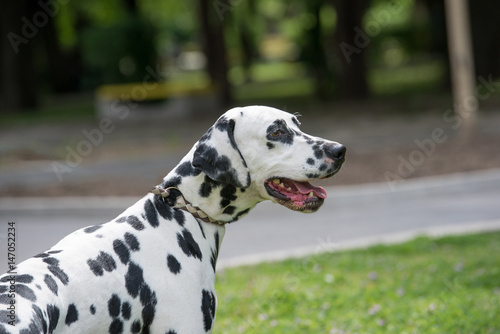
x=406, y=80
x=446, y=285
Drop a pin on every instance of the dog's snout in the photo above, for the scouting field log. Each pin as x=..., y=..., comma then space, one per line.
x=335, y=152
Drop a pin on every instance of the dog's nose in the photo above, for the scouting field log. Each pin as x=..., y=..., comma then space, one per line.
x=335, y=151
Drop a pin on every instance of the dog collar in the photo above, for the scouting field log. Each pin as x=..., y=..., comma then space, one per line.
x=181, y=203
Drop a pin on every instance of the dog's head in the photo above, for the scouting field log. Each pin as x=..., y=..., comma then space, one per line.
x=262, y=148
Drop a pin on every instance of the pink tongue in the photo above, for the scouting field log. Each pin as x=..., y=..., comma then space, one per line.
x=305, y=188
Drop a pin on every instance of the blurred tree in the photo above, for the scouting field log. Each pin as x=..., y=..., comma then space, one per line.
x=313, y=51
x=485, y=29
x=213, y=42
x=352, y=44
x=18, y=84
x=245, y=18
x=438, y=35
x=64, y=66
x=131, y=6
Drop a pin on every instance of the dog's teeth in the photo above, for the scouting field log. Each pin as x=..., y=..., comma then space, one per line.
x=276, y=181
x=311, y=194
x=282, y=185
x=289, y=189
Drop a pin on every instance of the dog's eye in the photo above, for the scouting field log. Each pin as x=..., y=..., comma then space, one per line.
x=276, y=133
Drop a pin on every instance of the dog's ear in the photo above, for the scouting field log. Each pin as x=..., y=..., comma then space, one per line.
x=218, y=156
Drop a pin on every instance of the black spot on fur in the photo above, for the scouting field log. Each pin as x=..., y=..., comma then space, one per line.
x=217, y=166
x=225, y=124
x=135, y=327
x=25, y=292
x=133, y=279
x=148, y=315
x=171, y=332
x=146, y=296
x=323, y=167
x=279, y=132
x=295, y=121
x=116, y=327
x=135, y=222
x=151, y=215
x=24, y=278
x=310, y=161
x=51, y=283
x=92, y=309
x=179, y=217
x=163, y=208
x=312, y=176
x=4, y=318
x=95, y=267
x=5, y=299
x=187, y=169
x=38, y=323
x=106, y=261
x=318, y=152
x=72, y=315
x=208, y=309
x=270, y=145
x=91, y=229
x=121, y=250
x=51, y=261
x=53, y=267
x=173, y=264
x=188, y=244
x=114, y=306
x=132, y=241
x=207, y=186
x=126, y=311
x=149, y=301
x=228, y=194
x=53, y=314
x=215, y=252
x=41, y=255
x=229, y=210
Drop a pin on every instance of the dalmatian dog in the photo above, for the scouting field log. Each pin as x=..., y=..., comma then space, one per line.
x=152, y=269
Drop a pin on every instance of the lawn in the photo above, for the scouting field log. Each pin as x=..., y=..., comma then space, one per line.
x=446, y=285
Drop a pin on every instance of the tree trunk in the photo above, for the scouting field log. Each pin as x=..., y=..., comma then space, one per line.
x=64, y=66
x=18, y=80
x=352, y=44
x=214, y=47
x=485, y=37
x=315, y=53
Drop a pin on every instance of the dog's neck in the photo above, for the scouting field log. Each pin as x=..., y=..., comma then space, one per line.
x=222, y=202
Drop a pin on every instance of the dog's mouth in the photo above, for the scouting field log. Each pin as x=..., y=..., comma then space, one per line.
x=295, y=195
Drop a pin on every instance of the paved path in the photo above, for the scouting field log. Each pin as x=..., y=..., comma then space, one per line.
x=351, y=216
